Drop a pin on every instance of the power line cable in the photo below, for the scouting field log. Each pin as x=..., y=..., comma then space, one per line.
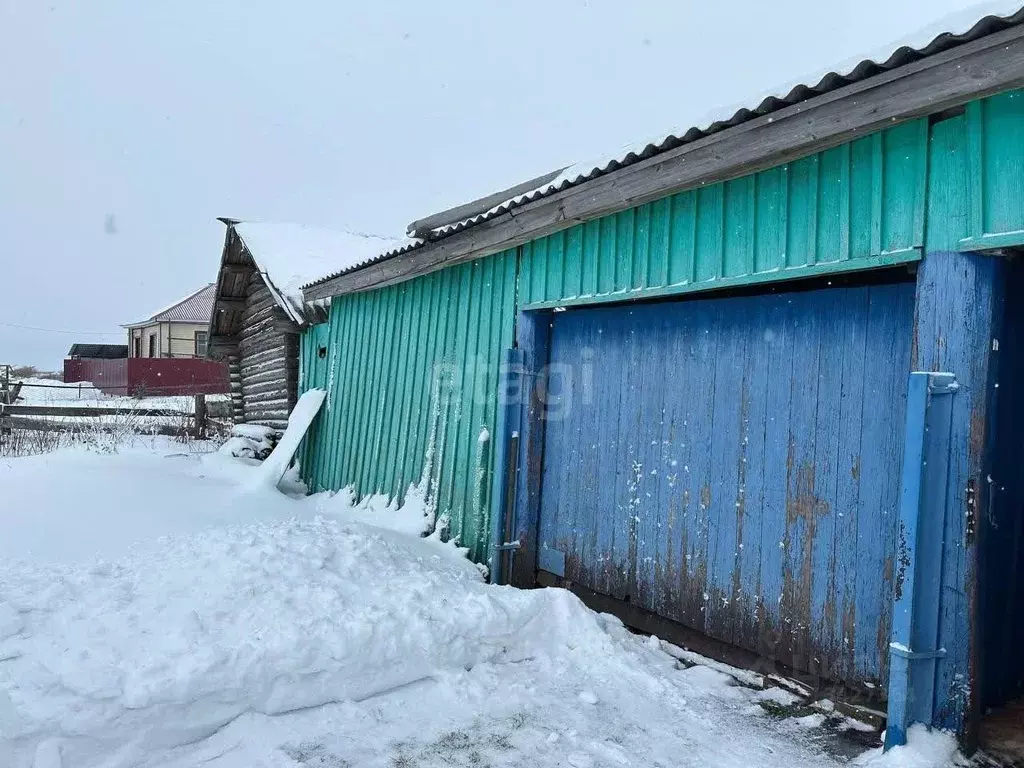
x=55, y=330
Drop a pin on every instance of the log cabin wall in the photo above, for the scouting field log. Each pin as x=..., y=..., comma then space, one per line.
x=256, y=337
x=268, y=347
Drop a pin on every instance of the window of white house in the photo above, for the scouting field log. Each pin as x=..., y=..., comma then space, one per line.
x=152, y=345
x=201, y=338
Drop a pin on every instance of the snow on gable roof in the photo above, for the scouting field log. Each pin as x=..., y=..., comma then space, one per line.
x=197, y=307
x=292, y=255
x=941, y=34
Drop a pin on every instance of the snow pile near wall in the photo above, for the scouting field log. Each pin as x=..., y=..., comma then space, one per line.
x=163, y=648
x=415, y=517
x=924, y=749
x=292, y=255
x=186, y=619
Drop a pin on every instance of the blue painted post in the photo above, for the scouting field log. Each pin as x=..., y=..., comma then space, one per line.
x=914, y=647
x=510, y=393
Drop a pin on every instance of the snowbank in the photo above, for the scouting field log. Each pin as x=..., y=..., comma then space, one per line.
x=165, y=648
x=173, y=617
x=164, y=645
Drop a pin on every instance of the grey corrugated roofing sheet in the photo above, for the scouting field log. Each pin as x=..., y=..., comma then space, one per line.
x=1003, y=14
x=197, y=307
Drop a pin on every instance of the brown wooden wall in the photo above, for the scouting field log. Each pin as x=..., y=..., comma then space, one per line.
x=268, y=358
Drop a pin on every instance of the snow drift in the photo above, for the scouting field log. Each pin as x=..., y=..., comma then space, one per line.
x=112, y=661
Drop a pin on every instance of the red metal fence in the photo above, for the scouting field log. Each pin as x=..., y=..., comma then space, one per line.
x=145, y=376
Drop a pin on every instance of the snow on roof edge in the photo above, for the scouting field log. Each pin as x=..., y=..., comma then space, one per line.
x=289, y=256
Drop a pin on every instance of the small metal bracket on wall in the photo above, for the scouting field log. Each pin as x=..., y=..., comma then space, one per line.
x=914, y=649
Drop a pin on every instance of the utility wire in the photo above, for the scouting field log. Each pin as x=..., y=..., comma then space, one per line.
x=55, y=330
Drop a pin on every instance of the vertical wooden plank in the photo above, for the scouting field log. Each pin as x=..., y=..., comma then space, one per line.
x=555, y=266
x=1002, y=164
x=455, y=375
x=725, y=516
x=526, y=276
x=380, y=469
x=572, y=285
x=803, y=508
x=370, y=400
x=844, y=182
x=641, y=247
x=343, y=348
x=738, y=229
x=607, y=260
x=398, y=457
x=885, y=406
x=799, y=244
x=752, y=473
x=769, y=221
x=626, y=464
x=610, y=352
x=814, y=206
x=848, y=472
x=703, y=318
x=975, y=168
x=682, y=239
x=837, y=318
x=861, y=197
x=877, y=193
x=473, y=404
x=779, y=338
x=921, y=186
x=709, y=252
x=625, y=227
x=591, y=258
x=647, y=512
x=658, y=254
x=355, y=388
x=948, y=187
x=902, y=177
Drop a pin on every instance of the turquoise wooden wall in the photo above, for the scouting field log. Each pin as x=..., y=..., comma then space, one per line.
x=881, y=200
x=857, y=206
x=976, y=190
x=411, y=377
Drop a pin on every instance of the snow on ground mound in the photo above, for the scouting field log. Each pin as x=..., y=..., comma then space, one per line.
x=171, y=617
x=165, y=648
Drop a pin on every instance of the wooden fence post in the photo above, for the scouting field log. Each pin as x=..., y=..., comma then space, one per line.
x=200, y=417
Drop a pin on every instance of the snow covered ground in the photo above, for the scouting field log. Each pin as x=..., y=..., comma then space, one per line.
x=47, y=392
x=157, y=610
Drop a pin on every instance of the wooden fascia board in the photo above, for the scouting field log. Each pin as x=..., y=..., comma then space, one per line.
x=970, y=71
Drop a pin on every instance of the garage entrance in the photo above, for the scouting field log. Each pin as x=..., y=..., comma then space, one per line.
x=733, y=465
x=1000, y=591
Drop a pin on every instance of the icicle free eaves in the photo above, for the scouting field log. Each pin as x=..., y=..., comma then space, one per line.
x=937, y=36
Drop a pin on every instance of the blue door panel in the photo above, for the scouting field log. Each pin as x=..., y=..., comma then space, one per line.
x=733, y=464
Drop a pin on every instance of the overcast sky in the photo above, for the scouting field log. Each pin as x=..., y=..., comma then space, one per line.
x=127, y=126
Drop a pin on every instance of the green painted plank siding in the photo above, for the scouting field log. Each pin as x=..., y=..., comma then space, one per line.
x=411, y=374
x=405, y=393
x=856, y=206
x=995, y=167
x=975, y=194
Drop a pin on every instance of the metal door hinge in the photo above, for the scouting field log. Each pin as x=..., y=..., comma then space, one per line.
x=972, y=509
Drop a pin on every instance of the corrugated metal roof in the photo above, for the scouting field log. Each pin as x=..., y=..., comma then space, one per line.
x=99, y=351
x=926, y=42
x=197, y=307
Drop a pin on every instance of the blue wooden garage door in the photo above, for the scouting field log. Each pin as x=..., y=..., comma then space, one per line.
x=733, y=464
